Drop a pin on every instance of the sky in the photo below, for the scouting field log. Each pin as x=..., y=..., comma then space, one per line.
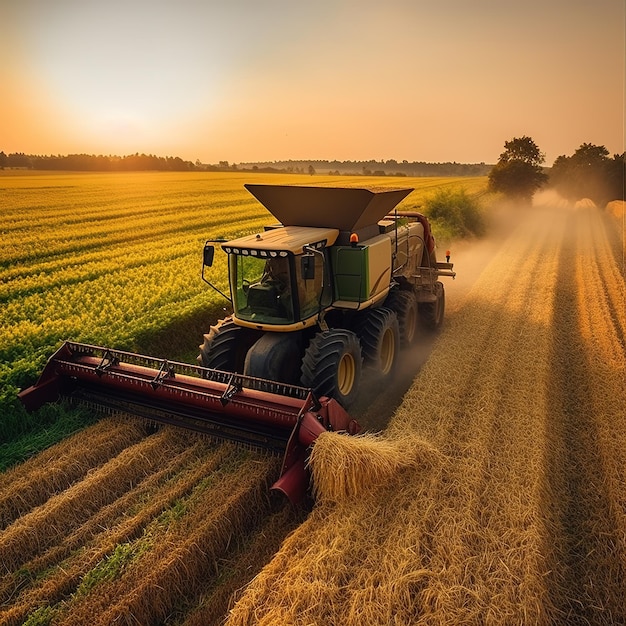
x=268, y=80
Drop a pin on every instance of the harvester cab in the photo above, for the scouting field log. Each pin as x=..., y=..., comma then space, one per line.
x=338, y=285
x=276, y=279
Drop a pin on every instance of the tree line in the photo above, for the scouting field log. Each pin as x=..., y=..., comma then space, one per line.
x=93, y=163
x=588, y=173
x=372, y=167
x=135, y=162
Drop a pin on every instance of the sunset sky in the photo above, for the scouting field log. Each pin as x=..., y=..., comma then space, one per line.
x=247, y=80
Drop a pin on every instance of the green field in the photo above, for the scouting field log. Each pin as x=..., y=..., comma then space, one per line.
x=115, y=259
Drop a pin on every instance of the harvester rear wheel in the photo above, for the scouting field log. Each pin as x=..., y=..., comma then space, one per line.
x=380, y=337
x=404, y=303
x=332, y=365
x=226, y=345
x=431, y=313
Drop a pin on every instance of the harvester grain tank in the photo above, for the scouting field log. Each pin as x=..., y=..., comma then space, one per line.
x=338, y=284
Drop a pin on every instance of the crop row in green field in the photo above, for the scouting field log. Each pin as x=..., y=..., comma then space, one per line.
x=115, y=258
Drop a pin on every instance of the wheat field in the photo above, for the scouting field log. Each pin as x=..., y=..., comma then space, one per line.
x=506, y=498
x=496, y=495
x=115, y=259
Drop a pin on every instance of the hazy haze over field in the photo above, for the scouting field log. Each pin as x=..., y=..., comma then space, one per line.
x=332, y=79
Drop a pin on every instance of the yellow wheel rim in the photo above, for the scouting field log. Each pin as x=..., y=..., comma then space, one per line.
x=410, y=326
x=387, y=351
x=346, y=373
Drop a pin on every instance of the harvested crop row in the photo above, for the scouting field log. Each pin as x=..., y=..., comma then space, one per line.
x=113, y=527
x=599, y=268
x=590, y=422
x=147, y=498
x=63, y=512
x=30, y=484
x=178, y=551
x=477, y=536
x=616, y=211
x=217, y=594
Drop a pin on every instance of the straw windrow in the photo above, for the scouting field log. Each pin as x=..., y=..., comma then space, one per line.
x=27, y=485
x=116, y=528
x=349, y=467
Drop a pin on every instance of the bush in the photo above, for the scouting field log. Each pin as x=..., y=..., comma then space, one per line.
x=455, y=214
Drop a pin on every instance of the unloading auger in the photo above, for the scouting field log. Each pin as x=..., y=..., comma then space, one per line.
x=225, y=405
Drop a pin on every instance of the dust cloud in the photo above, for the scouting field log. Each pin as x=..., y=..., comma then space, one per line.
x=377, y=402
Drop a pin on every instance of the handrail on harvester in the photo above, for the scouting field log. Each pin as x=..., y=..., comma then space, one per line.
x=260, y=412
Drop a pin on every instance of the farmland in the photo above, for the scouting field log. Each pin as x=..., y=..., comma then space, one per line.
x=115, y=259
x=495, y=496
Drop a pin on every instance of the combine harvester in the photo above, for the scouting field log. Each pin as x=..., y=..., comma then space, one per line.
x=341, y=282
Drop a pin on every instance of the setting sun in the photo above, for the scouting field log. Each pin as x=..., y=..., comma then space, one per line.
x=203, y=80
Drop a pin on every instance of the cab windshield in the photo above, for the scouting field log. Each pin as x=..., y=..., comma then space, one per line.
x=273, y=290
x=263, y=288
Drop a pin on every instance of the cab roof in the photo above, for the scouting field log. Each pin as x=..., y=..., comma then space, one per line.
x=288, y=239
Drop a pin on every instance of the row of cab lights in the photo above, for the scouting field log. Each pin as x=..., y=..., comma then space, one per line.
x=268, y=253
x=261, y=253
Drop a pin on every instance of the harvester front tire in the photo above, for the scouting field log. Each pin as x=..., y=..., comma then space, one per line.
x=404, y=303
x=332, y=365
x=275, y=356
x=431, y=313
x=379, y=333
x=226, y=345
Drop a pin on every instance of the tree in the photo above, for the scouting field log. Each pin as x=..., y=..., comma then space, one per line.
x=589, y=173
x=616, y=177
x=18, y=159
x=518, y=173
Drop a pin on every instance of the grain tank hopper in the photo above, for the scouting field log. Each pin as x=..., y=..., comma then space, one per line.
x=336, y=286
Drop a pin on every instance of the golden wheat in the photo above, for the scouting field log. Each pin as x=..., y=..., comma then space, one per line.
x=482, y=537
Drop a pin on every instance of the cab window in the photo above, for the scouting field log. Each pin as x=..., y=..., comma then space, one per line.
x=262, y=288
x=314, y=293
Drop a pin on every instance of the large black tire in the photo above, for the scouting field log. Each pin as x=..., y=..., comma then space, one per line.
x=226, y=345
x=403, y=303
x=379, y=333
x=431, y=313
x=275, y=356
x=332, y=365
